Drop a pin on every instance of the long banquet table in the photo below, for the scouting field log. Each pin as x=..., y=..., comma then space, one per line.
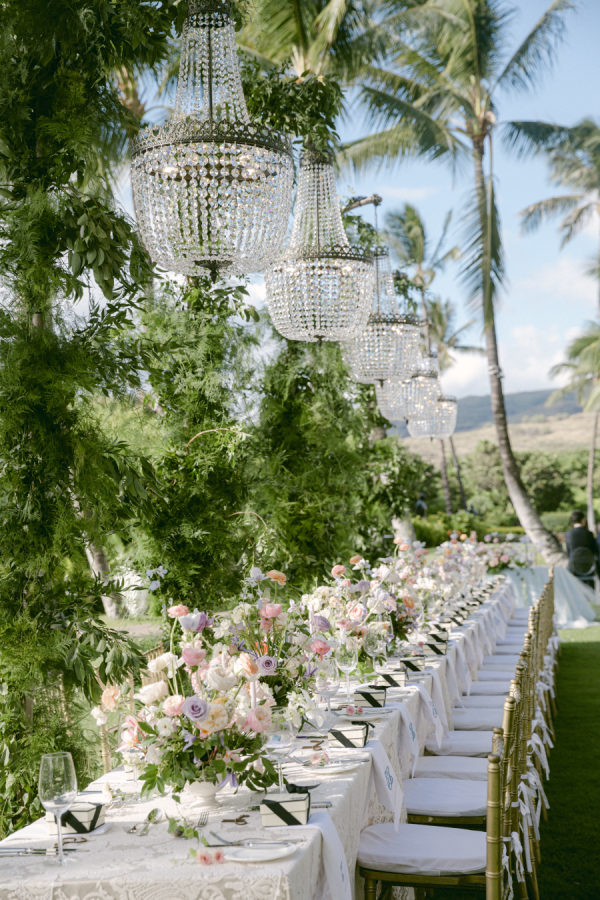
x=115, y=865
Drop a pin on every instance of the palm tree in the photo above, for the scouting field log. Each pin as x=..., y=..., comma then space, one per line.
x=447, y=340
x=583, y=368
x=408, y=240
x=574, y=159
x=450, y=67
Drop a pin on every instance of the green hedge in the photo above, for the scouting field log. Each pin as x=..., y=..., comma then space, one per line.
x=435, y=529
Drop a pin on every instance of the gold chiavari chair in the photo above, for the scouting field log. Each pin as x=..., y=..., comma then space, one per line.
x=429, y=857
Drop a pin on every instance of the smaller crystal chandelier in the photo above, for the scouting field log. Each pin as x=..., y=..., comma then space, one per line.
x=438, y=421
x=320, y=287
x=423, y=387
x=391, y=399
x=212, y=191
x=389, y=345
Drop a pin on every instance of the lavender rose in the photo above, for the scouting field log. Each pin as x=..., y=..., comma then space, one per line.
x=196, y=621
x=195, y=708
x=267, y=665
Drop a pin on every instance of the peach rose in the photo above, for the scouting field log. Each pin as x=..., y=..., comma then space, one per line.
x=175, y=612
x=277, y=576
x=172, y=705
x=246, y=665
x=216, y=720
x=258, y=719
x=338, y=571
x=193, y=656
x=355, y=559
x=110, y=697
x=408, y=602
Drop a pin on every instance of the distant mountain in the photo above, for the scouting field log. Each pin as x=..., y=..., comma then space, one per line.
x=525, y=406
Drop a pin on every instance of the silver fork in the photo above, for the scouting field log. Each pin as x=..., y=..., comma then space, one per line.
x=202, y=819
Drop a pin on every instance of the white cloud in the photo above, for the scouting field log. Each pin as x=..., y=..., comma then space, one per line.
x=406, y=194
x=257, y=293
x=563, y=280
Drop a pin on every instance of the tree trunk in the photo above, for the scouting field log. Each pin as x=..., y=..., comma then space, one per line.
x=591, y=518
x=461, y=487
x=100, y=568
x=526, y=513
x=445, y=482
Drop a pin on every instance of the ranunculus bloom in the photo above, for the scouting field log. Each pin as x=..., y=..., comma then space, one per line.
x=246, y=665
x=267, y=665
x=193, y=656
x=355, y=559
x=153, y=692
x=320, y=647
x=277, y=576
x=110, y=697
x=270, y=610
x=172, y=705
x=338, y=571
x=258, y=719
x=175, y=612
x=216, y=720
x=195, y=708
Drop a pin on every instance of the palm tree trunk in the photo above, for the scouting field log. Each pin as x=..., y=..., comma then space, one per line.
x=526, y=513
x=591, y=519
x=445, y=482
x=461, y=487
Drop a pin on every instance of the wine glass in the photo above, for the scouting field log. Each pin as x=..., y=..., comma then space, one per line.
x=280, y=742
x=346, y=657
x=57, y=788
x=375, y=646
x=327, y=681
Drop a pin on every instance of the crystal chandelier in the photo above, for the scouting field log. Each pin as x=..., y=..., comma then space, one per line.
x=211, y=190
x=320, y=287
x=423, y=387
x=391, y=399
x=389, y=345
x=438, y=421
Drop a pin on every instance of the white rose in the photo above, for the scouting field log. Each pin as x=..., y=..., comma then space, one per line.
x=166, y=661
x=166, y=727
x=219, y=679
x=153, y=756
x=152, y=693
x=99, y=715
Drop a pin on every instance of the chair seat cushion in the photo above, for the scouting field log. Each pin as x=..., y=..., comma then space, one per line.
x=444, y=797
x=509, y=646
x=464, y=743
x=493, y=675
x=482, y=701
x=477, y=719
x=422, y=849
x=500, y=686
x=473, y=768
x=501, y=661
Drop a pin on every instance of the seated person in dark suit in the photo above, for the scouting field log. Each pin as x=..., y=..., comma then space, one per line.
x=582, y=549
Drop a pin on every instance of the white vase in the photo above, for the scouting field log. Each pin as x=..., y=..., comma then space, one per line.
x=201, y=794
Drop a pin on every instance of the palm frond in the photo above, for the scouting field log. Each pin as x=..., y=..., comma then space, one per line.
x=538, y=48
x=528, y=137
x=536, y=213
x=576, y=221
x=482, y=270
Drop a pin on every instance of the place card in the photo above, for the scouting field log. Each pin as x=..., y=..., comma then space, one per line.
x=433, y=648
x=395, y=678
x=413, y=663
x=370, y=696
x=285, y=809
x=80, y=818
x=352, y=735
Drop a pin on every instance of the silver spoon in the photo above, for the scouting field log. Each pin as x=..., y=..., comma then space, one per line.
x=155, y=816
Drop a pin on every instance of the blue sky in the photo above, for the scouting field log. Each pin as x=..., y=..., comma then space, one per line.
x=548, y=297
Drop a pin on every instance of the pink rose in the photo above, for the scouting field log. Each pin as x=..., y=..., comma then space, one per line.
x=504, y=558
x=174, y=612
x=277, y=576
x=204, y=858
x=218, y=856
x=258, y=719
x=192, y=656
x=338, y=571
x=172, y=705
x=320, y=647
x=357, y=612
x=270, y=610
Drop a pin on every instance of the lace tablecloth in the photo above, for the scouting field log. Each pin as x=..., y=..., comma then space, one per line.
x=115, y=865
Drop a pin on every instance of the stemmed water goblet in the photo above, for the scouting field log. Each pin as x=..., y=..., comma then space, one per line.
x=280, y=742
x=57, y=789
x=346, y=657
x=375, y=646
x=327, y=681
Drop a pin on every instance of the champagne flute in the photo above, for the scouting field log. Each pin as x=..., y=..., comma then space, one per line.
x=327, y=681
x=57, y=788
x=346, y=657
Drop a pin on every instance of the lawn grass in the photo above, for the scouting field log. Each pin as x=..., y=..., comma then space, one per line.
x=570, y=867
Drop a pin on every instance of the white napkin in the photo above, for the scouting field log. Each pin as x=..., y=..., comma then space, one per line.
x=463, y=675
x=334, y=856
x=437, y=695
x=387, y=783
x=407, y=736
x=430, y=711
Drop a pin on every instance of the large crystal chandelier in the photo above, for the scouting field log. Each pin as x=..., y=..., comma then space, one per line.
x=436, y=421
x=211, y=189
x=320, y=287
x=389, y=345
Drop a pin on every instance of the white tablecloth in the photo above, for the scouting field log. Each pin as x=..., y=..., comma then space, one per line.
x=115, y=865
x=572, y=598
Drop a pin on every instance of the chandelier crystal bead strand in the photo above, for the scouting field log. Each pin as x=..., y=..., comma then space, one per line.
x=437, y=422
x=211, y=189
x=390, y=344
x=320, y=287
